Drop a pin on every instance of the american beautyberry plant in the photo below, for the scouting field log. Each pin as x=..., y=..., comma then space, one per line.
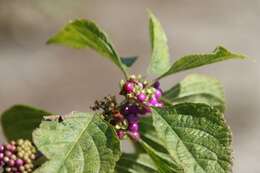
x=178, y=130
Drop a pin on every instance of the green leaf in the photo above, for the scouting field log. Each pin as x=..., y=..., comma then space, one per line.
x=151, y=144
x=160, y=62
x=197, y=88
x=84, y=33
x=162, y=161
x=197, y=60
x=19, y=121
x=135, y=163
x=149, y=135
x=128, y=61
x=196, y=136
x=81, y=143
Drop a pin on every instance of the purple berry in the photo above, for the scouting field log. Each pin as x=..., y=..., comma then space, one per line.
x=2, y=163
x=129, y=87
x=19, y=162
x=9, y=147
x=2, y=148
x=159, y=105
x=156, y=85
x=133, y=109
x=133, y=127
x=135, y=135
x=141, y=97
x=13, y=148
x=158, y=93
x=132, y=118
x=120, y=134
x=12, y=159
x=153, y=101
x=130, y=109
x=8, y=153
x=125, y=110
x=1, y=156
x=11, y=163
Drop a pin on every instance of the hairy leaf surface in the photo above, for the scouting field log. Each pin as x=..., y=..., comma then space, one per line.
x=197, y=60
x=85, y=33
x=159, y=62
x=197, y=88
x=196, y=136
x=81, y=143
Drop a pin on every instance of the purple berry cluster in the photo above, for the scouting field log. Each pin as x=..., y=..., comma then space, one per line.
x=140, y=96
x=138, y=89
x=17, y=156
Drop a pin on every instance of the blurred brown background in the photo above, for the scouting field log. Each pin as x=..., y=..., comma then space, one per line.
x=60, y=79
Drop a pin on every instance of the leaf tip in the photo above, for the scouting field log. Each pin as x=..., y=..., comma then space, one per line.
x=222, y=49
x=149, y=12
x=50, y=41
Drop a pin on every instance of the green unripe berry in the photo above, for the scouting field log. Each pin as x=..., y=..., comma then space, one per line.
x=32, y=156
x=6, y=159
x=8, y=169
x=21, y=168
x=20, y=141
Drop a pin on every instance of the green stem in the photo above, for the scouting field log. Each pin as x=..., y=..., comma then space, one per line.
x=125, y=73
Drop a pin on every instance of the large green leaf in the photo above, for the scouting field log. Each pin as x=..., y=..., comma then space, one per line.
x=160, y=62
x=197, y=88
x=84, y=33
x=197, y=60
x=81, y=143
x=19, y=121
x=135, y=163
x=196, y=136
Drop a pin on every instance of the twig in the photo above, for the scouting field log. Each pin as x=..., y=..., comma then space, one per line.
x=60, y=118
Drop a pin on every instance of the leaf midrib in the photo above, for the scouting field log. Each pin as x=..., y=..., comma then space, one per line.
x=107, y=44
x=75, y=143
x=175, y=66
x=87, y=40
